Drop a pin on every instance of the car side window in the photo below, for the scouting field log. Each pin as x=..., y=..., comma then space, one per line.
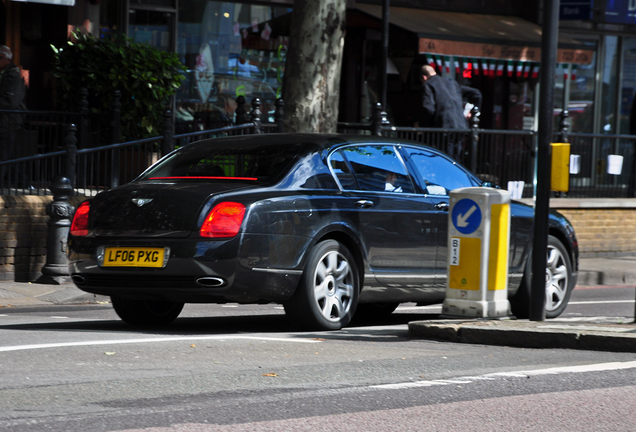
x=439, y=174
x=378, y=168
x=342, y=171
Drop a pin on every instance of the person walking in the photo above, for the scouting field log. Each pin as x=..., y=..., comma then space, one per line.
x=12, y=93
x=442, y=105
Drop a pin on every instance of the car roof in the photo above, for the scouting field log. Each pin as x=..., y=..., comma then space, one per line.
x=308, y=141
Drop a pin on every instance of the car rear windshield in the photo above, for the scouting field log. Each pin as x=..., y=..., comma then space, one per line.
x=262, y=164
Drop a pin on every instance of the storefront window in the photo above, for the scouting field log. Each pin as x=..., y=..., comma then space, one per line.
x=560, y=87
x=153, y=27
x=627, y=124
x=582, y=84
x=230, y=49
x=609, y=75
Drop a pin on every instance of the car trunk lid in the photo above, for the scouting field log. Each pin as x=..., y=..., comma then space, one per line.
x=153, y=208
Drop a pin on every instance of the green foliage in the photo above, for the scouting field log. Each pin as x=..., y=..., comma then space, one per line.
x=146, y=77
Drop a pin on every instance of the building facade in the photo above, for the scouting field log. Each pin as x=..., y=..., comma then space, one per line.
x=238, y=48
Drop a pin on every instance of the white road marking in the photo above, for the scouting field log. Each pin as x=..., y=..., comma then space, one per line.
x=600, y=302
x=152, y=340
x=598, y=367
x=432, y=307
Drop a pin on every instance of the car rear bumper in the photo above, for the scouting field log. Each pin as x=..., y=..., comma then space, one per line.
x=196, y=272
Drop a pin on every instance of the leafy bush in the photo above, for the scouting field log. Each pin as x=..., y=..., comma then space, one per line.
x=146, y=77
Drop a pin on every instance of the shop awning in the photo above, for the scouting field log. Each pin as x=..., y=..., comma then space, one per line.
x=54, y=2
x=477, y=35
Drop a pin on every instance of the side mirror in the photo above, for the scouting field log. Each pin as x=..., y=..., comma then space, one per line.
x=490, y=185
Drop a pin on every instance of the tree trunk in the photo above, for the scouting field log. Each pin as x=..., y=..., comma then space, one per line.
x=312, y=71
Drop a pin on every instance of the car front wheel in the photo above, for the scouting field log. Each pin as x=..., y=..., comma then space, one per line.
x=146, y=312
x=327, y=296
x=558, y=283
x=558, y=279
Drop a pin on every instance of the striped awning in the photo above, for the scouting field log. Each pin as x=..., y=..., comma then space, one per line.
x=490, y=67
x=53, y=2
x=494, y=37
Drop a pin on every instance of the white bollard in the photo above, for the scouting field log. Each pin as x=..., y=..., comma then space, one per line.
x=478, y=243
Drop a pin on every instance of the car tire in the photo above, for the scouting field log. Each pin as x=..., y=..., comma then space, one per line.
x=146, y=312
x=375, y=310
x=559, y=283
x=327, y=295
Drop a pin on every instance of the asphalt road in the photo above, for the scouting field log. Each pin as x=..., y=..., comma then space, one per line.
x=241, y=368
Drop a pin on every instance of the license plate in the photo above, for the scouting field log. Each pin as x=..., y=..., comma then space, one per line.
x=134, y=257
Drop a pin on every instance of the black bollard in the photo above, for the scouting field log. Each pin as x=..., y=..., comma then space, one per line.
x=60, y=211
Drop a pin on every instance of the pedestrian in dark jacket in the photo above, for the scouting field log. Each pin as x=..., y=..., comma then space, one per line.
x=12, y=93
x=443, y=106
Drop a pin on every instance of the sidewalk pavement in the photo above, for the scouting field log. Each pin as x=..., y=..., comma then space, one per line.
x=616, y=334
x=599, y=333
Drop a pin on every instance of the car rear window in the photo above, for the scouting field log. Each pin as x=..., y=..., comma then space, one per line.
x=262, y=164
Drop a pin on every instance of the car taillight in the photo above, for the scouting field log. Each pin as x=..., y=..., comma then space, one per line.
x=224, y=220
x=79, y=227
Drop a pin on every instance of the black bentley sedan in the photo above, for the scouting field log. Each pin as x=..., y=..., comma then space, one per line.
x=326, y=225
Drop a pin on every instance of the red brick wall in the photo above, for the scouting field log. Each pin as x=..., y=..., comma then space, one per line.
x=23, y=233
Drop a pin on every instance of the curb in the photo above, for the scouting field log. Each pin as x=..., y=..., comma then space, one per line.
x=618, y=338
x=601, y=277
x=32, y=294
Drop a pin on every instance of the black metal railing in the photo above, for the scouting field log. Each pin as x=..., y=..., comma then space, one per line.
x=496, y=156
x=605, y=167
x=93, y=169
x=502, y=156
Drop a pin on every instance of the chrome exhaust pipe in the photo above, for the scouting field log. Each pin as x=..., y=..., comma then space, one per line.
x=210, y=281
x=78, y=279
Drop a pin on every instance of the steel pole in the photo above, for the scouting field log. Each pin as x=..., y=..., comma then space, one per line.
x=385, y=52
x=549, y=41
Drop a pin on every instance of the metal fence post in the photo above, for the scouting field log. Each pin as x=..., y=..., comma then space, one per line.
x=167, y=144
x=60, y=211
x=115, y=155
x=115, y=123
x=83, y=125
x=255, y=115
x=241, y=113
x=70, y=144
x=564, y=125
x=379, y=119
x=473, y=123
x=279, y=115
x=376, y=120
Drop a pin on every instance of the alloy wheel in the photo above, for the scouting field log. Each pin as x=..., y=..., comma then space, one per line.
x=556, y=279
x=333, y=286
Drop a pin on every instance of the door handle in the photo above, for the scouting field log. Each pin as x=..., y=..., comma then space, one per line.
x=364, y=203
x=443, y=206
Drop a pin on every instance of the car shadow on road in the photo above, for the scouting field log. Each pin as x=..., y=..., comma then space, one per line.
x=262, y=323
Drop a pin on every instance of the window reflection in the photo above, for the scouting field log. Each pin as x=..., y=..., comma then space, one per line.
x=378, y=168
x=230, y=50
x=439, y=174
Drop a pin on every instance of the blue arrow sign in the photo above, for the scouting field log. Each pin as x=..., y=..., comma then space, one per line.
x=466, y=216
